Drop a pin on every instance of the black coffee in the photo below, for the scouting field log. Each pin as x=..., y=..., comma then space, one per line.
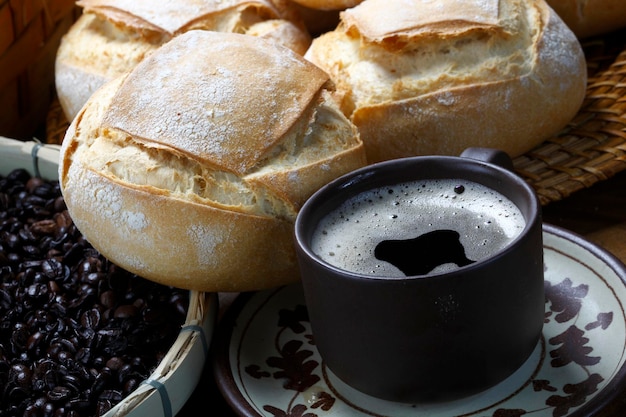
x=433, y=249
x=417, y=228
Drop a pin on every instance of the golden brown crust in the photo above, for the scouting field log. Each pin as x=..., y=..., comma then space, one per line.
x=174, y=111
x=112, y=36
x=171, y=17
x=168, y=195
x=509, y=78
x=589, y=18
x=376, y=21
x=176, y=242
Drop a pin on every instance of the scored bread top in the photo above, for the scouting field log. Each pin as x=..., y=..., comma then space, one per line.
x=171, y=16
x=228, y=106
x=387, y=57
x=457, y=16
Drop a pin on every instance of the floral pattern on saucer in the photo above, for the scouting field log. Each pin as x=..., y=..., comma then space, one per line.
x=273, y=368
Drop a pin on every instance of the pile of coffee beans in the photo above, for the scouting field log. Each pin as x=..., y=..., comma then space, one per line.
x=77, y=333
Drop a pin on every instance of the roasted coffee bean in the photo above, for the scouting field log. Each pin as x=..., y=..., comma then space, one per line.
x=26, y=235
x=44, y=227
x=34, y=340
x=5, y=201
x=131, y=384
x=59, y=205
x=11, y=241
x=125, y=311
x=103, y=406
x=54, y=269
x=19, y=338
x=20, y=375
x=17, y=178
x=59, y=394
x=47, y=410
x=77, y=333
x=31, y=251
x=32, y=184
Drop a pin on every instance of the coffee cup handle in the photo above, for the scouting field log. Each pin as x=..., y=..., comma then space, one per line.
x=491, y=155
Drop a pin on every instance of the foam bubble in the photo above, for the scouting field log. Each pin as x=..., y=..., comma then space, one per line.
x=485, y=219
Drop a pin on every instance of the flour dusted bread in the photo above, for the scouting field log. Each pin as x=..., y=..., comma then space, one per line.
x=436, y=77
x=190, y=170
x=588, y=18
x=112, y=36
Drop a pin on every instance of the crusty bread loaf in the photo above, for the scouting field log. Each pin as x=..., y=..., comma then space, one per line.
x=422, y=77
x=190, y=170
x=591, y=17
x=112, y=36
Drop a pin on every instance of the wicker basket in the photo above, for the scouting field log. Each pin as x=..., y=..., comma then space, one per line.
x=592, y=147
x=30, y=33
x=170, y=385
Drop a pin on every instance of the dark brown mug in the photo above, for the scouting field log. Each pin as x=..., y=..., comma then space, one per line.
x=422, y=333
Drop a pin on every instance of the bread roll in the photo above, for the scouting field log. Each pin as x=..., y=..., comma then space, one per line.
x=589, y=18
x=425, y=77
x=190, y=170
x=112, y=36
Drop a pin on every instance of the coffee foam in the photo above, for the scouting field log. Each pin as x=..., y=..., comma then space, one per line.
x=485, y=219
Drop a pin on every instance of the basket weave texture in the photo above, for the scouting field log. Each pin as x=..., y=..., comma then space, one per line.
x=30, y=33
x=590, y=149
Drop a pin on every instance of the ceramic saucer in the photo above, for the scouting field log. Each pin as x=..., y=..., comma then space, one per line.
x=266, y=363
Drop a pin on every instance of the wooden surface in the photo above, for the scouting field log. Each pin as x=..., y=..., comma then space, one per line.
x=597, y=213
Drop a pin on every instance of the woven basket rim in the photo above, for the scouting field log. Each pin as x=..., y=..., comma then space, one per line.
x=173, y=381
